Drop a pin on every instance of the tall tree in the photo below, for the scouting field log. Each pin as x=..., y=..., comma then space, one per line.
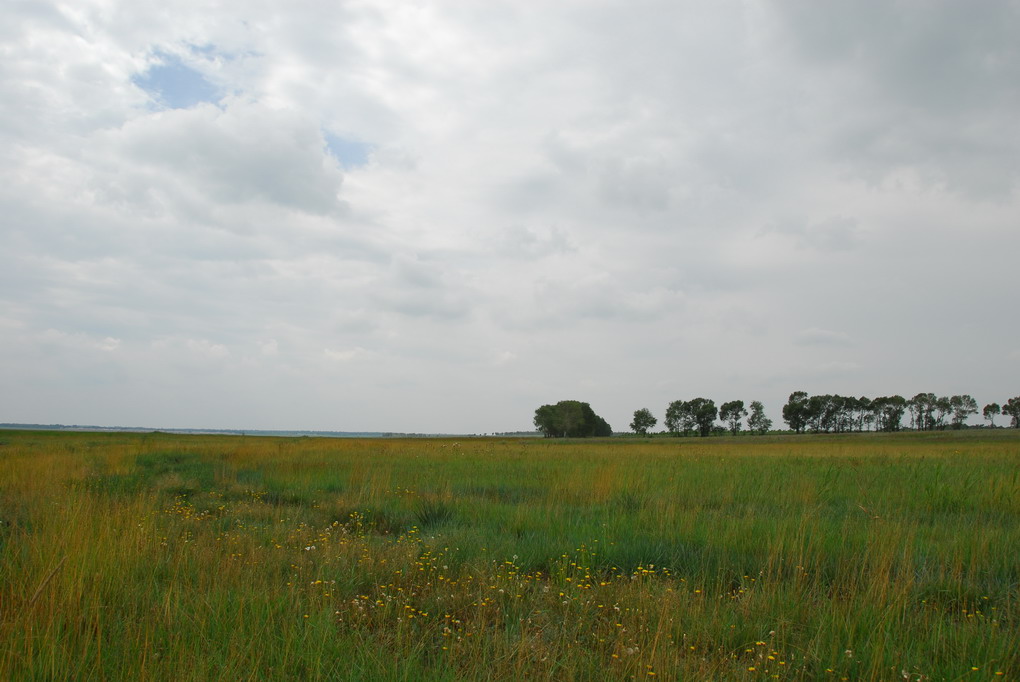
x=680, y=419
x=1012, y=410
x=814, y=408
x=826, y=413
x=795, y=411
x=758, y=422
x=643, y=420
x=866, y=416
x=732, y=413
x=888, y=412
x=962, y=406
x=895, y=406
x=943, y=408
x=674, y=417
x=703, y=412
x=990, y=412
x=922, y=411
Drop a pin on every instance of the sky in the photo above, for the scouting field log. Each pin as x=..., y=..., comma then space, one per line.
x=436, y=216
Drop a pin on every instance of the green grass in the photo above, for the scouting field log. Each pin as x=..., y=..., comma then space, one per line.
x=160, y=556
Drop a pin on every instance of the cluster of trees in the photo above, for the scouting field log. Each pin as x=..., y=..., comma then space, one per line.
x=836, y=413
x=802, y=412
x=1011, y=409
x=570, y=419
x=927, y=411
x=698, y=415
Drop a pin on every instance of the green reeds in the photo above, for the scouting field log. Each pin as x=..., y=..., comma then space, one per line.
x=161, y=556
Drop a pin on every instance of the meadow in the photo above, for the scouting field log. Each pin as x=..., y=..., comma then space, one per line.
x=173, y=557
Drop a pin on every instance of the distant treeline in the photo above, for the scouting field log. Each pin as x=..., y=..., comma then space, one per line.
x=826, y=414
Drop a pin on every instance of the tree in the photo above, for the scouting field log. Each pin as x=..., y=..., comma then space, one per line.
x=679, y=418
x=795, y=411
x=867, y=414
x=990, y=411
x=602, y=428
x=732, y=412
x=570, y=419
x=943, y=408
x=703, y=412
x=1012, y=409
x=895, y=406
x=962, y=406
x=547, y=420
x=922, y=411
x=674, y=415
x=758, y=422
x=888, y=411
x=643, y=420
x=820, y=413
x=928, y=411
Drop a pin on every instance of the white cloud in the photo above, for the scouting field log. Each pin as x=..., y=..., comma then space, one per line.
x=504, y=357
x=77, y=341
x=244, y=153
x=342, y=355
x=633, y=202
x=823, y=337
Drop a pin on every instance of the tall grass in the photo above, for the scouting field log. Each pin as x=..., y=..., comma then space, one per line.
x=162, y=556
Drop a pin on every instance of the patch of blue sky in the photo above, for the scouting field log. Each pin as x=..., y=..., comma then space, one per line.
x=350, y=153
x=207, y=50
x=176, y=85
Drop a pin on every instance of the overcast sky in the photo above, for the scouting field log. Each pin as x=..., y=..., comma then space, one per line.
x=437, y=216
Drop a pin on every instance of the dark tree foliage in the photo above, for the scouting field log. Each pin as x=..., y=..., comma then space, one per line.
x=834, y=413
x=865, y=413
x=929, y=412
x=758, y=422
x=570, y=419
x=696, y=415
x=704, y=413
x=842, y=414
x=829, y=413
x=643, y=420
x=990, y=412
x=795, y=412
x=679, y=419
x=1012, y=410
x=963, y=406
x=731, y=413
x=888, y=411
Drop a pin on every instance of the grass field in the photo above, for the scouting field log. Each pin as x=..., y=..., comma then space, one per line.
x=170, y=557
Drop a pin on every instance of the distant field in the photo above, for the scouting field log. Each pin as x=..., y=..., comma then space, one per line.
x=175, y=557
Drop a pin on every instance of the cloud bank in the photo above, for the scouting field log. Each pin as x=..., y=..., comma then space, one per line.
x=438, y=216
